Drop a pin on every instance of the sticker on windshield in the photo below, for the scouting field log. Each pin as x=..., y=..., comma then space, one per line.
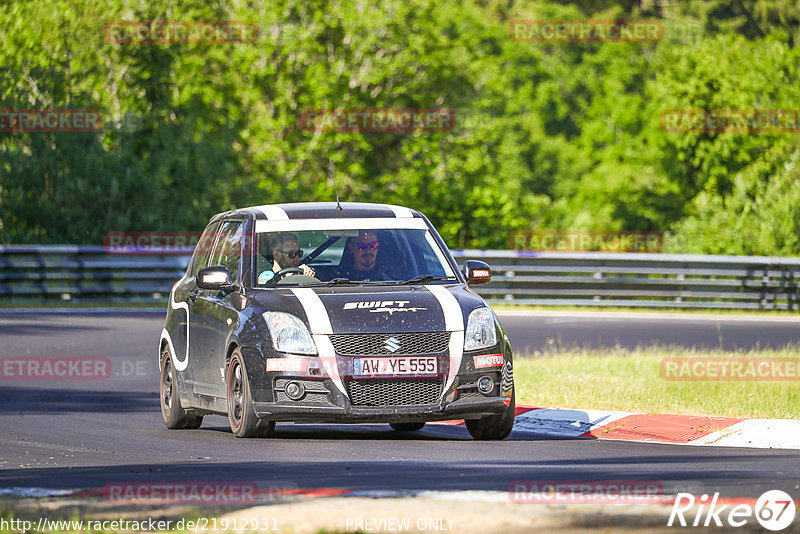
x=265, y=277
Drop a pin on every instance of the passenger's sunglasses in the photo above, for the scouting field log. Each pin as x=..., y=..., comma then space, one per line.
x=363, y=247
x=293, y=253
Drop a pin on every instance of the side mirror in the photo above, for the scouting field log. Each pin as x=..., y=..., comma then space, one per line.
x=477, y=272
x=214, y=278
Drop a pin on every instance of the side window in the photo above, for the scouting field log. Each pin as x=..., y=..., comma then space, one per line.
x=203, y=249
x=229, y=247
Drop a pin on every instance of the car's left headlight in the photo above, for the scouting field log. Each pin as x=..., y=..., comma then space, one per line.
x=480, y=332
x=289, y=334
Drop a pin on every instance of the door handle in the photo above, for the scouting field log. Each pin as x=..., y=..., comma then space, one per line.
x=193, y=296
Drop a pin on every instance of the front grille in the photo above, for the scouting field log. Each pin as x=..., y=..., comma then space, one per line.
x=311, y=386
x=470, y=394
x=375, y=344
x=393, y=392
x=316, y=393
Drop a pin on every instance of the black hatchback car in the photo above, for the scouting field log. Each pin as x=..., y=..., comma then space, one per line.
x=318, y=312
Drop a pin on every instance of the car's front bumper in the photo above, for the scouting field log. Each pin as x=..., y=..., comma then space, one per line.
x=467, y=409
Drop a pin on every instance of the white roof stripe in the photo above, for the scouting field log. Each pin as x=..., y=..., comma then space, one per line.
x=273, y=213
x=400, y=212
x=366, y=223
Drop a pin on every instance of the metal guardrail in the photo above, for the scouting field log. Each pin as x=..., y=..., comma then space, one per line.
x=86, y=274
x=91, y=274
x=640, y=280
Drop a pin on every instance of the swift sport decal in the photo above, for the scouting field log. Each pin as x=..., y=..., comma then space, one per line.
x=320, y=324
x=386, y=306
x=454, y=322
x=180, y=365
x=375, y=304
x=392, y=310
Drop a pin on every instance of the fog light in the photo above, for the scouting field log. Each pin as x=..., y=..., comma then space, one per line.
x=486, y=385
x=295, y=390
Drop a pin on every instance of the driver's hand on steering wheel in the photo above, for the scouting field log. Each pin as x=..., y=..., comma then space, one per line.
x=308, y=271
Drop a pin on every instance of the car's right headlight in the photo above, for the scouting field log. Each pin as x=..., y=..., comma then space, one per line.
x=289, y=334
x=480, y=332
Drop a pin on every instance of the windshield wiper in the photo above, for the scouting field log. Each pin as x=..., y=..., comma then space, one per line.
x=331, y=282
x=339, y=281
x=423, y=278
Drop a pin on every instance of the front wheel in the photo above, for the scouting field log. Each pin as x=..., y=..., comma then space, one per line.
x=494, y=427
x=172, y=413
x=241, y=415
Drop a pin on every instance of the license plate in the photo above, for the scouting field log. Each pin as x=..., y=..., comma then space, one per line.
x=394, y=366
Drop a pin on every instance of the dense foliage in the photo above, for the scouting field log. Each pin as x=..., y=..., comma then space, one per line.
x=547, y=136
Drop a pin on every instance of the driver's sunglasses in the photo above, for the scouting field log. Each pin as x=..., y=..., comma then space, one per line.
x=363, y=247
x=293, y=253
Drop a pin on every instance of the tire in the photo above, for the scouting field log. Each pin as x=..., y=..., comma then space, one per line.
x=407, y=427
x=172, y=413
x=241, y=415
x=494, y=427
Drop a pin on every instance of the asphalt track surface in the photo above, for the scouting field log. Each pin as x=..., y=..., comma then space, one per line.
x=89, y=433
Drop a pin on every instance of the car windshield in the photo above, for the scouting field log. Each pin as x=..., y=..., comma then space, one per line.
x=337, y=256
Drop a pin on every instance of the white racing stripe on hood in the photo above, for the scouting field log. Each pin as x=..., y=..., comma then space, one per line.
x=454, y=323
x=453, y=318
x=273, y=213
x=315, y=310
x=320, y=324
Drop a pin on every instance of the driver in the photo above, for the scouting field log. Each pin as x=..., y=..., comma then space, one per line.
x=363, y=252
x=286, y=253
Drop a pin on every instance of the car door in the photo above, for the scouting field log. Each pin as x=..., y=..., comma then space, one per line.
x=185, y=295
x=214, y=314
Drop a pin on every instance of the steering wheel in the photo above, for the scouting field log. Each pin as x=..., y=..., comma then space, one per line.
x=283, y=272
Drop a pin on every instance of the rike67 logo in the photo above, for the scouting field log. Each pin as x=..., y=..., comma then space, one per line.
x=774, y=510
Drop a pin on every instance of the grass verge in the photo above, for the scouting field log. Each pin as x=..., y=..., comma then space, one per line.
x=631, y=380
